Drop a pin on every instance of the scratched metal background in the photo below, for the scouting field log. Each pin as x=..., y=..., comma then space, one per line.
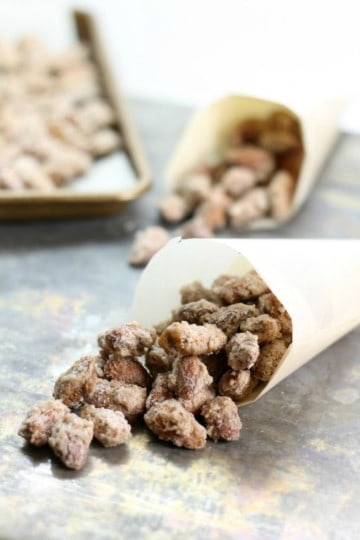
x=295, y=472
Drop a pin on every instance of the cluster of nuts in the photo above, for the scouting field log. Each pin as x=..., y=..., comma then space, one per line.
x=216, y=348
x=53, y=120
x=253, y=178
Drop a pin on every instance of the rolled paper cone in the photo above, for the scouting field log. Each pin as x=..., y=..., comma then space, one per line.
x=317, y=281
x=208, y=131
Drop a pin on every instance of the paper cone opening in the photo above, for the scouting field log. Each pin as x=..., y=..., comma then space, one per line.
x=315, y=280
x=208, y=131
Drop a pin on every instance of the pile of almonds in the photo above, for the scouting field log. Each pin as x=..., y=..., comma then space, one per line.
x=53, y=119
x=217, y=347
x=253, y=178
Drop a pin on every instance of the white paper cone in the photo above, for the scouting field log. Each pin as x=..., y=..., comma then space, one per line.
x=318, y=282
x=208, y=132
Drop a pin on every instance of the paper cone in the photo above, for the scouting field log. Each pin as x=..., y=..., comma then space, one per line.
x=318, y=282
x=208, y=132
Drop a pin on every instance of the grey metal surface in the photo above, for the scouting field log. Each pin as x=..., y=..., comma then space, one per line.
x=294, y=474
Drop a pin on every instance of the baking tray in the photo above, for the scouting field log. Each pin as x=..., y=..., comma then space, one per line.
x=67, y=202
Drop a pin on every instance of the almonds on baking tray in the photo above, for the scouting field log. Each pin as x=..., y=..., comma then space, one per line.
x=53, y=119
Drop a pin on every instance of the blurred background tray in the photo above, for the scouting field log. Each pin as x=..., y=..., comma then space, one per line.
x=113, y=181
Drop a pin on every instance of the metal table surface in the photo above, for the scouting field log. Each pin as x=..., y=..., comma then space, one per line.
x=294, y=474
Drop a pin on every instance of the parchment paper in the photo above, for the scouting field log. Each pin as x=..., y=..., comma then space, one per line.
x=208, y=131
x=318, y=282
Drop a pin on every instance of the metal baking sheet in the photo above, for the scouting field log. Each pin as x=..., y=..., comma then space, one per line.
x=113, y=180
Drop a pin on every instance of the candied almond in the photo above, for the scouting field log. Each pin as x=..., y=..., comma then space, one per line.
x=70, y=440
x=258, y=159
x=268, y=303
x=191, y=339
x=171, y=422
x=146, y=243
x=157, y=360
x=197, y=312
x=237, y=180
x=233, y=289
x=127, y=398
x=195, y=188
x=265, y=327
x=253, y=205
x=173, y=208
x=130, y=339
x=110, y=427
x=228, y=318
x=160, y=390
x=222, y=419
x=38, y=423
x=77, y=382
x=127, y=370
x=269, y=358
x=196, y=291
x=191, y=383
x=237, y=385
x=242, y=350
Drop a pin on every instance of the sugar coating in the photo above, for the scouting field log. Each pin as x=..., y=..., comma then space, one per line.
x=191, y=383
x=228, y=318
x=157, y=360
x=268, y=303
x=242, y=350
x=100, y=361
x=131, y=339
x=197, y=312
x=127, y=398
x=127, y=370
x=240, y=289
x=110, y=427
x=269, y=358
x=160, y=390
x=171, y=422
x=70, y=440
x=77, y=382
x=237, y=384
x=38, y=423
x=191, y=339
x=53, y=116
x=265, y=327
x=222, y=419
x=196, y=291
